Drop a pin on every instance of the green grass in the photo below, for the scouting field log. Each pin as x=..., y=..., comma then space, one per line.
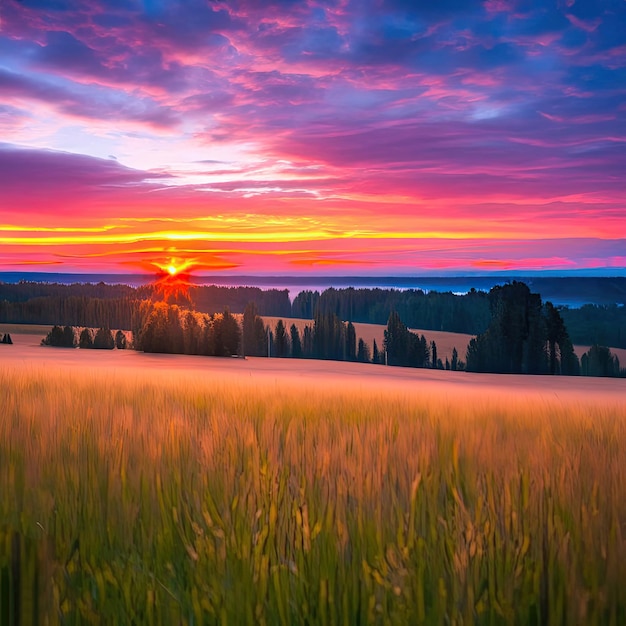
x=148, y=500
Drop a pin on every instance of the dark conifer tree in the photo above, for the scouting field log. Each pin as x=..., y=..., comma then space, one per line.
x=281, y=342
x=419, y=352
x=208, y=337
x=328, y=337
x=120, y=340
x=396, y=341
x=218, y=336
x=561, y=356
x=174, y=330
x=192, y=333
x=599, y=361
x=85, y=341
x=375, y=354
x=69, y=337
x=231, y=334
x=515, y=341
x=296, y=343
x=305, y=304
x=363, y=352
x=260, y=332
x=155, y=333
x=535, y=360
x=253, y=337
x=570, y=366
x=54, y=337
x=455, y=360
x=103, y=339
x=351, y=352
x=307, y=342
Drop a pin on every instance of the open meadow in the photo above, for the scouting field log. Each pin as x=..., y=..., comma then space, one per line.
x=162, y=489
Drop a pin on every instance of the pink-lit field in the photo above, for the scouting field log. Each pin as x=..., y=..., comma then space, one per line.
x=287, y=372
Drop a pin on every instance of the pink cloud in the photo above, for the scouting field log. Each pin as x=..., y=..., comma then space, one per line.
x=385, y=129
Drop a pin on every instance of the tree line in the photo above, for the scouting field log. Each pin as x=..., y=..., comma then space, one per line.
x=467, y=313
x=520, y=333
x=80, y=311
x=118, y=306
x=87, y=338
x=524, y=336
x=596, y=324
x=172, y=329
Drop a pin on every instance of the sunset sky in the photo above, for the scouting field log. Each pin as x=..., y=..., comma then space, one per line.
x=349, y=137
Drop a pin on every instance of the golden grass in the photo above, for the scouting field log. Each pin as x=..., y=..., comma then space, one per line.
x=152, y=497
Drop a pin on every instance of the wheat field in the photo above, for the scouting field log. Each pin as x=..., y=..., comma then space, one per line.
x=159, y=497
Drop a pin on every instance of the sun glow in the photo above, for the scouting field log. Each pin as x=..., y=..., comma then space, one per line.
x=174, y=266
x=173, y=279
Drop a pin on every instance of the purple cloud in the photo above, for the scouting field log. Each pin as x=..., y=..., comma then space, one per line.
x=24, y=171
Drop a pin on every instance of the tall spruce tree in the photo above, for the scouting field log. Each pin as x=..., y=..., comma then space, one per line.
x=85, y=341
x=103, y=339
x=523, y=337
x=375, y=353
x=397, y=340
x=254, y=337
x=599, y=361
x=363, y=352
x=281, y=341
x=328, y=337
x=120, y=340
x=350, y=342
x=296, y=343
x=69, y=337
x=455, y=360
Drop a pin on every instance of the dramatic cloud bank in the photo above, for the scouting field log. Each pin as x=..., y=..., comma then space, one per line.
x=348, y=137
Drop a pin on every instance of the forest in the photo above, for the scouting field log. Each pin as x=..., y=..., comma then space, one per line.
x=117, y=306
x=523, y=336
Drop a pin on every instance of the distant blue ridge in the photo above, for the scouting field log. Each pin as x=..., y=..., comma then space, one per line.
x=572, y=289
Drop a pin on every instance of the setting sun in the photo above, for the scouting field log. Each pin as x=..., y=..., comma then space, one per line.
x=174, y=267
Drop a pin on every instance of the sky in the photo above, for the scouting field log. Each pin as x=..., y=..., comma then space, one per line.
x=348, y=137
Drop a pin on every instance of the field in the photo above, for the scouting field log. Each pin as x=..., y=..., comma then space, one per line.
x=166, y=489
